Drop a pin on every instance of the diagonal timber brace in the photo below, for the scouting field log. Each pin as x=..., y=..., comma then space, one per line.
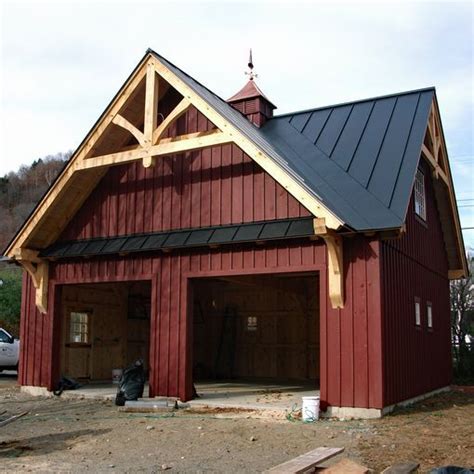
x=334, y=245
x=38, y=271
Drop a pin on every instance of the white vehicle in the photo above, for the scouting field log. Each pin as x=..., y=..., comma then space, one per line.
x=9, y=351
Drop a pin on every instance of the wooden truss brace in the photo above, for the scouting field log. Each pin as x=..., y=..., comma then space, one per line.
x=38, y=271
x=334, y=245
x=437, y=157
x=435, y=153
x=151, y=143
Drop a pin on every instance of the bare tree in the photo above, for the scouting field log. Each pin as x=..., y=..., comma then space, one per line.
x=462, y=323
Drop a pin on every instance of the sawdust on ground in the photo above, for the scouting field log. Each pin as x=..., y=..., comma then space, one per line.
x=80, y=435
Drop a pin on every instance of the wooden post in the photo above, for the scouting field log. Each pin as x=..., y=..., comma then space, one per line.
x=38, y=270
x=151, y=111
x=334, y=245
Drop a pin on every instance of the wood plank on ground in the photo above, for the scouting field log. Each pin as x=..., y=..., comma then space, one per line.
x=307, y=461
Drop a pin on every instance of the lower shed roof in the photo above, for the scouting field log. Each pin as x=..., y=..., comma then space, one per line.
x=183, y=238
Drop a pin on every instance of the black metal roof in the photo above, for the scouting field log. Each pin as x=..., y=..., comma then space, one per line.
x=362, y=156
x=358, y=158
x=183, y=238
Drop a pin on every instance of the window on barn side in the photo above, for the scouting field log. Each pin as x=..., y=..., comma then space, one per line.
x=252, y=323
x=420, y=198
x=429, y=314
x=79, y=330
x=417, y=312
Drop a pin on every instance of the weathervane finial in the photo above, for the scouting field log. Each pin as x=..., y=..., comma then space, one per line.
x=250, y=73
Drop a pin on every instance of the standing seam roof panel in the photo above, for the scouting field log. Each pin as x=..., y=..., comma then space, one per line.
x=315, y=124
x=351, y=134
x=385, y=172
x=332, y=129
x=406, y=176
x=369, y=145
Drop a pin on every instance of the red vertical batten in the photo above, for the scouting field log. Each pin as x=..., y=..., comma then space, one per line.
x=351, y=343
x=416, y=359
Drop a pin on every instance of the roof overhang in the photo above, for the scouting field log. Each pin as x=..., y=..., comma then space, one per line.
x=435, y=152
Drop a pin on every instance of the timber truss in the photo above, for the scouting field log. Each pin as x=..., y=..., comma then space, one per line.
x=435, y=153
x=151, y=143
x=134, y=128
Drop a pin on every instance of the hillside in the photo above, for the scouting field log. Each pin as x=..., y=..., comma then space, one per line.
x=20, y=191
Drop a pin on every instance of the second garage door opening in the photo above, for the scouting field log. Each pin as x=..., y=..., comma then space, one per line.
x=257, y=329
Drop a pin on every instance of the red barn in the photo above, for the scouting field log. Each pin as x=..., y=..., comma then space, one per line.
x=216, y=240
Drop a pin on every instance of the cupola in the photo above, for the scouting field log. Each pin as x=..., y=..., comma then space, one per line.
x=251, y=101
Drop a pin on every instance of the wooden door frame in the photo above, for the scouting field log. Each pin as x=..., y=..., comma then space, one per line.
x=67, y=309
x=186, y=391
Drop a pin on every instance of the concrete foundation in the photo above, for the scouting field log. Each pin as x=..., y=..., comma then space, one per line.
x=247, y=396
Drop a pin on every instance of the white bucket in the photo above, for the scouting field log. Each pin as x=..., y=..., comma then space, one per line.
x=310, y=409
x=116, y=374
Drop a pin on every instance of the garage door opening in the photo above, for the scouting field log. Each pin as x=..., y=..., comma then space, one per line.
x=255, y=334
x=105, y=326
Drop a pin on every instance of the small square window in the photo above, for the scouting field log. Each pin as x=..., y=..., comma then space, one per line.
x=429, y=314
x=252, y=323
x=417, y=312
x=79, y=328
x=419, y=192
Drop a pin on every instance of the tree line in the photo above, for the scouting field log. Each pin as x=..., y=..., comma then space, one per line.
x=20, y=191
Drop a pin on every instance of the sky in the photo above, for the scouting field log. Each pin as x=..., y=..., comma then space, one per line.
x=62, y=62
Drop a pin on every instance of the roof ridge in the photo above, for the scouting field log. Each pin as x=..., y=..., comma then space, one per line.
x=152, y=51
x=359, y=101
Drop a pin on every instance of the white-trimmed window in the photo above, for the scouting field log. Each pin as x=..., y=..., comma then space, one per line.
x=420, y=198
x=417, y=311
x=79, y=327
x=429, y=314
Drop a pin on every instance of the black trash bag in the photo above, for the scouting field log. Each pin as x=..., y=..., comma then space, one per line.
x=131, y=384
x=66, y=383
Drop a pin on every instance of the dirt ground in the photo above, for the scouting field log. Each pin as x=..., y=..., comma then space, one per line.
x=77, y=435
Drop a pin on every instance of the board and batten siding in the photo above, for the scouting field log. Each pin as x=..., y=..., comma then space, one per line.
x=350, y=346
x=416, y=359
x=214, y=186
